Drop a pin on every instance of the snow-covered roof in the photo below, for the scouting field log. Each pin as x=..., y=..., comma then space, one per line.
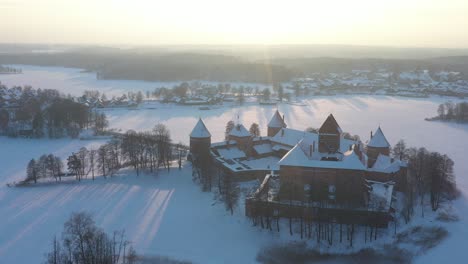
x=231, y=153
x=277, y=120
x=385, y=164
x=239, y=131
x=378, y=140
x=300, y=156
x=200, y=130
x=263, y=148
x=290, y=137
x=267, y=163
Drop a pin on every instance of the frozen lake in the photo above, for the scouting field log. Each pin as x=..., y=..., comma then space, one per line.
x=75, y=81
x=400, y=118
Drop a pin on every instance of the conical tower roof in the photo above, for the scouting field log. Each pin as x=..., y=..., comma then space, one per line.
x=378, y=140
x=277, y=121
x=330, y=126
x=200, y=130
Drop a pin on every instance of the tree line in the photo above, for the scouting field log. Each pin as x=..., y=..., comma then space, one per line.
x=149, y=151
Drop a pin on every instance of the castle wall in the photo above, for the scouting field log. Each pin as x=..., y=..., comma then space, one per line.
x=373, y=154
x=349, y=184
x=398, y=177
x=272, y=131
x=329, y=143
x=243, y=143
x=200, y=147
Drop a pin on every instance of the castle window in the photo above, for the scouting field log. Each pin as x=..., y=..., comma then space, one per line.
x=308, y=191
x=331, y=192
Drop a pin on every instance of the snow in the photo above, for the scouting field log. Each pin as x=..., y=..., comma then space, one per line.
x=378, y=140
x=200, y=130
x=290, y=137
x=154, y=209
x=380, y=197
x=276, y=121
x=263, y=148
x=298, y=156
x=239, y=131
x=270, y=162
x=75, y=81
x=385, y=164
x=232, y=152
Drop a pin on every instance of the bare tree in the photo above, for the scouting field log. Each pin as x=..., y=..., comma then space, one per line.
x=85, y=243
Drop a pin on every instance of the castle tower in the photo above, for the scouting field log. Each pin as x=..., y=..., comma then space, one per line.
x=200, y=141
x=378, y=144
x=242, y=137
x=275, y=124
x=329, y=136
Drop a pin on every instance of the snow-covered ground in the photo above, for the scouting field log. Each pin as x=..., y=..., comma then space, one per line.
x=167, y=214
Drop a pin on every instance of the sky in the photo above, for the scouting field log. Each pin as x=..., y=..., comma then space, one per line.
x=406, y=23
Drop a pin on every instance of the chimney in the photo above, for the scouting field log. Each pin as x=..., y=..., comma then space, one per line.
x=283, y=117
x=371, y=134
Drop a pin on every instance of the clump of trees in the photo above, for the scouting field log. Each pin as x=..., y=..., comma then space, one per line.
x=452, y=112
x=254, y=130
x=229, y=127
x=47, y=166
x=44, y=112
x=83, y=242
x=139, y=150
x=430, y=176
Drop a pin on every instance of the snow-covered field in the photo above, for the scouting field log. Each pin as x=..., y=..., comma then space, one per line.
x=167, y=214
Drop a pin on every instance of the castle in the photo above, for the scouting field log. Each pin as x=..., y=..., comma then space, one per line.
x=322, y=168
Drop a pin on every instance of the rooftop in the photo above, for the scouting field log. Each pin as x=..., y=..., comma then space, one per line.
x=277, y=121
x=239, y=131
x=200, y=130
x=378, y=140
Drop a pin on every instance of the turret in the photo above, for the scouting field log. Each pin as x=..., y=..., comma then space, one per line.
x=200, y=141
x=329, y=136
x=378, y=144
x=241, y=136
x=275, y=124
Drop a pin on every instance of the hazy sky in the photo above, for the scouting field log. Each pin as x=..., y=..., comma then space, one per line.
x=421, y=23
